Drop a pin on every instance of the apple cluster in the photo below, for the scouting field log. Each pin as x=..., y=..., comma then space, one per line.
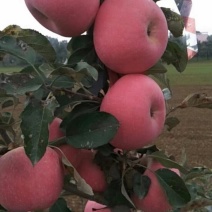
x=129, y=36
x=24, y=187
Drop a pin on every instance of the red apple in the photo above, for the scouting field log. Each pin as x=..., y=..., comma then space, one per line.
x=71, y=153
x=91, y=172
x=156, y=199
x=24, y=187
x=137, y=102
x=55, y=131
x=92, y=206
x=65, y=17
x=130, y=36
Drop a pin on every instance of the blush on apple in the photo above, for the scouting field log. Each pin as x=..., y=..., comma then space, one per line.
x=65, y=17
x=24, y=187
x=130, y=36
x=138, y=103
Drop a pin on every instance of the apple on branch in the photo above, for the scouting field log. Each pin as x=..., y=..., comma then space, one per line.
x=130, y=36
x=71, y=153
x=91, y=172
x=24, y=187
x=65, y=17
x=156, y=199
x=138, y=103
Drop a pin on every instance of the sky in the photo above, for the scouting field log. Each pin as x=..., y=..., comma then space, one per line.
x=16, y=12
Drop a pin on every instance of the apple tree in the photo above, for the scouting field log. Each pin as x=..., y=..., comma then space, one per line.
x=89, y=127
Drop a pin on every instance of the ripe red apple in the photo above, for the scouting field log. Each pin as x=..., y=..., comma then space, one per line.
x=137, y=102
x=156, y=199
x=65, y=17
x=71, y=153
x=92, y=206
x=130, y=36
x=24, y=187
x=91, y=172
x=55, y=131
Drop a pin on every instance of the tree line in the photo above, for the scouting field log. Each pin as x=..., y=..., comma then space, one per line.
x=204, y=49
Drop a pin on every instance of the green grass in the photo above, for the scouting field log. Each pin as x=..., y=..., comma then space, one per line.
x=10, y=69
x=196, y=73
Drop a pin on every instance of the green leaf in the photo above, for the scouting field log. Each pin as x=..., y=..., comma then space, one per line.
x=81, y=72
x=175, y=22
x=60, y=206
x=114, y=196
x=7, y=100
x=30, y=86
x=91, y=130
x=18, y=48
x=165, y=161
x=6, y=118
x=82, y=49
x=34, y=39
x=35, y=120
x=157, y=68
x=84, y=54
x=141, y=184
x=79, y=109
x=171, y=122
x=79, y=42
x=162, y=79
x=2, y=209
x=88, y=69
x=174, y=187
x=176, y=54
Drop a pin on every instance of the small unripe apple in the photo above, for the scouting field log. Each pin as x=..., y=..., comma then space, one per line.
x=130, y=36
x=65, y=17
x=156, y=199
x=91, y=172
x=138, y=103
x=24, y=187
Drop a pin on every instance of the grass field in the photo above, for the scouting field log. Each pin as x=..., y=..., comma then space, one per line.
x=196, y=73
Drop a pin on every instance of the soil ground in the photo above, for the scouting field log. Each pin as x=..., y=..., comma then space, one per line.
x=193, y=133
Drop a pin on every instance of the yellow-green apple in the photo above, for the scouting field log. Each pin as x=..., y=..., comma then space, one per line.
x=92, y=206
x=65, y=17
x=156, y=199
x=130, y=36
x=137, y=102
x=24, y=187
x=91, y=172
